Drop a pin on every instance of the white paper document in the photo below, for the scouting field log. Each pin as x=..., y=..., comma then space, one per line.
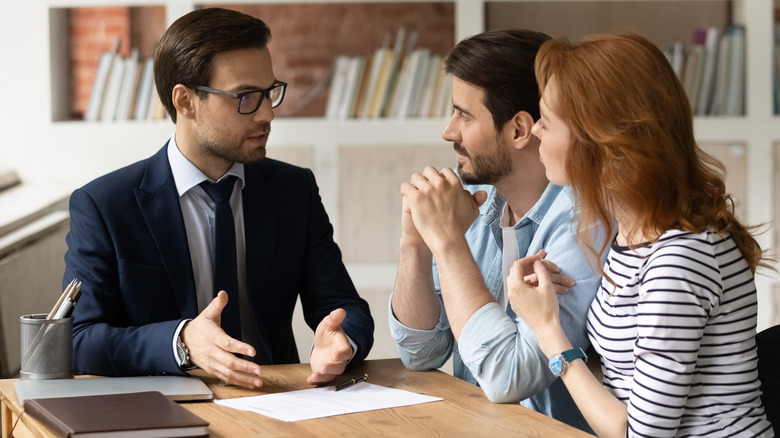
x=325, y=402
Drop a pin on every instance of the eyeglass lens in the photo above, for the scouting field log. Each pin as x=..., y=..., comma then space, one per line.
x=251, y=101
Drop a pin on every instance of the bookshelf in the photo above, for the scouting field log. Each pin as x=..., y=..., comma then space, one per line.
x=360, y=163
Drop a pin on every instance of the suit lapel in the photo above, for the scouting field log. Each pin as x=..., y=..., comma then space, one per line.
x=261, y=222
x=158, y=201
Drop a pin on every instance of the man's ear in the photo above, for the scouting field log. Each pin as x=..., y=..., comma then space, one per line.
x=183, y=101
x=520, y=129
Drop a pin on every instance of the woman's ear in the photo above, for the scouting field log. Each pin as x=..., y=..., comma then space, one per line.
x=183, y=101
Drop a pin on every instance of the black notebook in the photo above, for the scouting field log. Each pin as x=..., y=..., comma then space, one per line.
x=138, y=414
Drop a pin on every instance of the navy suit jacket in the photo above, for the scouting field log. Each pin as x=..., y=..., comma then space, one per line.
x=128, y=245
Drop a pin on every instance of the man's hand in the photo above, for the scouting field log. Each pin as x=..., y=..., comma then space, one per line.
x=409, y=233
x=439, y=206
x=332, y=350
x=212, y=349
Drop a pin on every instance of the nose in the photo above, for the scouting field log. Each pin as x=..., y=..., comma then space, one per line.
x=265, y=113
x=536, y=130
x=450, y=132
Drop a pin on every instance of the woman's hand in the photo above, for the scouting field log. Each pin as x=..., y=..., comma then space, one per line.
x=532, y=296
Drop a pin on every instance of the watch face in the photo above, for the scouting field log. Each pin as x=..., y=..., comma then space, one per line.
x=556, y=366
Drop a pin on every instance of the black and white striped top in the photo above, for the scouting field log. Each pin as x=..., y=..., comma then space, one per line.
x=677, y=337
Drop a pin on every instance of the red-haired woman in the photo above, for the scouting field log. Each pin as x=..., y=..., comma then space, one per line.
x=675, y=318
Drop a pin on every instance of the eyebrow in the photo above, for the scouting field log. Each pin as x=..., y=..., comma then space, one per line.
x=246, y=87
x=461, y=109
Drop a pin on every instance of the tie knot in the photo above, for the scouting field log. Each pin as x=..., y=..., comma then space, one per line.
x=220, y=192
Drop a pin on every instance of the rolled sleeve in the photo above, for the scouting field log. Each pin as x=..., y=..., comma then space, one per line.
x=422, y=349
x=503, y=355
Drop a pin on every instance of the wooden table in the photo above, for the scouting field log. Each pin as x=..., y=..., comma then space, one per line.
x=464, y=412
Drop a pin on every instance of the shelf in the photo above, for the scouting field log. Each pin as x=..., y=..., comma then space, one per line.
x=359, y=164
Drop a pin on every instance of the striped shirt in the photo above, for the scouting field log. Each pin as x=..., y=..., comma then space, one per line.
x=677, y=337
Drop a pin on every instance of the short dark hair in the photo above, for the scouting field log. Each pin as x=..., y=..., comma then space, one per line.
x=502, y=63
x=184, y=52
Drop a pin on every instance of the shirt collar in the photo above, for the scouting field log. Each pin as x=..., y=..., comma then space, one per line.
x=187, y=176
x=494, y=206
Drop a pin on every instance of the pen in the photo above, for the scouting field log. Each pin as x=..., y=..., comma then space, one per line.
x=350, y=382
x=67, y=305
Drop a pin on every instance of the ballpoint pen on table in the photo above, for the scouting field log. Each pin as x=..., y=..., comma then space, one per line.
x=350, y=382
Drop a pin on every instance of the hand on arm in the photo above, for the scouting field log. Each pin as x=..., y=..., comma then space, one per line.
x=533, y=299
x=332, y=349
x=212, y=349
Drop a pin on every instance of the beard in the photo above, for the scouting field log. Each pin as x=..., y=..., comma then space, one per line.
x=486, y=169
x=221, y=146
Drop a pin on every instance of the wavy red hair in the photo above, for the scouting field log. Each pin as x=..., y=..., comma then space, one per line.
x=633, y=147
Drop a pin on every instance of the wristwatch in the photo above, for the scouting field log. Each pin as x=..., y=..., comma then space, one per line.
x=183, y=353
x=559, y=362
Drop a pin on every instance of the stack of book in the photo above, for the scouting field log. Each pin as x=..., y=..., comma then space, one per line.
x=124, y=89
x=399, y=82
x=712, y=70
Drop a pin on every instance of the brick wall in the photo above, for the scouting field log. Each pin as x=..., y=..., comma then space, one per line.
x=306, y=39
x=92, y=31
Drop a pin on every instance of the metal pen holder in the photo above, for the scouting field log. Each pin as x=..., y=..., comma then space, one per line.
x=47, y=347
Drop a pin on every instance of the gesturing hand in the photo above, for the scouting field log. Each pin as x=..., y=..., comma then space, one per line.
x=332, y=350
x=212, y=349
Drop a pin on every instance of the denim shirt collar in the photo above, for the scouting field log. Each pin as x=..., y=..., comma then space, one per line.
x=491, y=209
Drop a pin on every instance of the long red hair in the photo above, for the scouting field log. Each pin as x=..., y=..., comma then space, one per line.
x=633, y=147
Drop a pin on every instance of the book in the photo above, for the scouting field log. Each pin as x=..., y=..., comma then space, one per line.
x=355, y=72
x=707, y=85
x=145, y=90
x=137, y=414
x=338, y=85
x=127, y=87
x=429, y=87
x=692, y=75
x=96, y=96
x=112, y=89
x=735, y=98
x=720, y=89
x=400, y=49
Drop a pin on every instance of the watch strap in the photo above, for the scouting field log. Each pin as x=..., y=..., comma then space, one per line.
x=574, y=353
x=559, y=362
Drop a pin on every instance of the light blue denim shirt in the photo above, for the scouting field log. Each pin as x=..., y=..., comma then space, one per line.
x=497, y=350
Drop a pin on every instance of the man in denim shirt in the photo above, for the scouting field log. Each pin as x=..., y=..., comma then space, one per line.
x=511, y=211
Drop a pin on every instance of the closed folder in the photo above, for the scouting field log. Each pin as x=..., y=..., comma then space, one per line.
x=137, y=414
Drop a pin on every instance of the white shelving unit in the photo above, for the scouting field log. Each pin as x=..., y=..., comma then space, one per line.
x=71, y=153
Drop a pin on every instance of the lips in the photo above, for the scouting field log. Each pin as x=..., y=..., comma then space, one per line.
x=261, y=138
x=461, y=151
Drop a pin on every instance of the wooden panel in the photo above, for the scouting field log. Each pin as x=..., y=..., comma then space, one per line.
x=369, y=197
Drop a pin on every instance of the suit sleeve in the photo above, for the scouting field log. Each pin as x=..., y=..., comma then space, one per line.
x=108, y=338
x=327, y=285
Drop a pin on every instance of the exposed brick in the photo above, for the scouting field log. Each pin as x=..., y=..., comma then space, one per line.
x=307, y=37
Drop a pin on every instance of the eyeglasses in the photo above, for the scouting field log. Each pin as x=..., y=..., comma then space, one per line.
x=249, y=101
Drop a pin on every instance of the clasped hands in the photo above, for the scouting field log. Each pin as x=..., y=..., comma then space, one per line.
x=437, y=209
x=212, y=349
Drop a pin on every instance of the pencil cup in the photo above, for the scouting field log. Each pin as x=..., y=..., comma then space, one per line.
x=47, y=347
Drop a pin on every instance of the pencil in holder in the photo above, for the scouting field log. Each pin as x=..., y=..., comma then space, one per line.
x=47, y=347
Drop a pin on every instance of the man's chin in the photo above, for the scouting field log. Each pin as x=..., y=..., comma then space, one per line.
x=254, y=158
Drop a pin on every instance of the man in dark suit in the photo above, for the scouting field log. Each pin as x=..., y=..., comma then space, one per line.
x=145, y=240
